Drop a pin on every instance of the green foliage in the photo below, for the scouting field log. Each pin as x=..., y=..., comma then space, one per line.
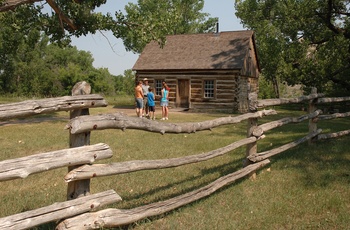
x=42, y=69
x=35, y=56
x=265, y=89
x=153, y=20
x=301, y=42
x=124, y=85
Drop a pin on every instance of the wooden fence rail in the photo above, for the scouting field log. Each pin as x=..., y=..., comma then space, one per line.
x=79, y=158
x=24, y=166
x=58, y=211
x=50, y=105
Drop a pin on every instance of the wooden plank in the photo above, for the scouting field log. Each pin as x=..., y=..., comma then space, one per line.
x=22, y=167
x=97, y=170
x=58, y=211
x=49, y=105
x=110, y=218
x=122, y=121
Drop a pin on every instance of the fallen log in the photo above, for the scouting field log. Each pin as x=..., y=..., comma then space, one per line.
x=24, y=166
x=264, y=155
x=98, y=170
x=122, y=121
x=58, y=211
x=109, y=218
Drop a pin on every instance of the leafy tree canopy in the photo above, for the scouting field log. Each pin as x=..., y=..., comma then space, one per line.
x=301, y=41
x=146, y=21
x=160, y=18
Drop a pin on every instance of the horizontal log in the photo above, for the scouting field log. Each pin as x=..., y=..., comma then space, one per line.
x=264, y=155
x=333, y=116
x=58, y=211
x=225, y=86
x=49, y=105
x=259, y=130
x=333, y=135
x=98, y=170
x=24, y=166
x=212, y=105
x=110, y=218
x=121, y=121
x=227, y=80
x=225, y=97
x=331, y=99
x=217, y=101
x=197, y=91
x=281, y=101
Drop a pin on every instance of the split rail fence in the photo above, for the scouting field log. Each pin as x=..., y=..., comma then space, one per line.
x=78, y=212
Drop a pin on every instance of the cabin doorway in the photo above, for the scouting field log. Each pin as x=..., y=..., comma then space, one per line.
x=183, y=92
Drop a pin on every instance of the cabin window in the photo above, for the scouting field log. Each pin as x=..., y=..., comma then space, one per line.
x=209, y=88
x=158, y=86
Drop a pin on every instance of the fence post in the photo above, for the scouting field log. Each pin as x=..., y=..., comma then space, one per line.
x=252, y=123
x=81, y=187
x=312, y=122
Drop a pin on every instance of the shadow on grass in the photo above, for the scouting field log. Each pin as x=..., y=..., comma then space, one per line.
x=223, y=170
x=322, y=164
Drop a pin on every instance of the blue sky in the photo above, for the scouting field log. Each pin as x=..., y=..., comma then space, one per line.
x=117, y=60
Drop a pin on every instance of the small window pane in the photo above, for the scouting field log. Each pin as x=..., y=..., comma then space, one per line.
x=158, y=87
x=209, y=89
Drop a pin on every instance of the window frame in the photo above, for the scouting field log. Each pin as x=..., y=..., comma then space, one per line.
x=211, y=89
x=158, y=86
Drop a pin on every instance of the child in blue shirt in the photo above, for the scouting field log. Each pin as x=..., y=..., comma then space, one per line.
x=151, y=103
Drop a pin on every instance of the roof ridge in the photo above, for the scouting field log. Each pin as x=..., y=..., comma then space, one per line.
x=209, y=33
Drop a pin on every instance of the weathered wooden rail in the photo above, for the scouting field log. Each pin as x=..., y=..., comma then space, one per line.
x=78, y=211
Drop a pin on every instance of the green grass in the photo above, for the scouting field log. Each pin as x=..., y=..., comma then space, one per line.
x=306, y=187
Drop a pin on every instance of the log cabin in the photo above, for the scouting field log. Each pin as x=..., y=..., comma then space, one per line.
x=210, y=71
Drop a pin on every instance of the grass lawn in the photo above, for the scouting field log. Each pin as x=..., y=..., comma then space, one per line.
x=306, y=187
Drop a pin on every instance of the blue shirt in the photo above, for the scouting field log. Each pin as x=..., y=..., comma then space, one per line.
x=165, y=93
x=150, y=98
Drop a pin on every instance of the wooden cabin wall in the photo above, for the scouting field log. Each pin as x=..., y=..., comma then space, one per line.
x=226, y=95
x=231, y=90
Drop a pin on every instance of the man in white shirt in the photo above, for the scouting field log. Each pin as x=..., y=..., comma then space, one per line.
x=145, y=87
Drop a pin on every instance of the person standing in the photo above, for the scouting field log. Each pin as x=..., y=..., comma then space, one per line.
x=145, y=88
x=151, y=103
x=164, y=101
x=139, y=99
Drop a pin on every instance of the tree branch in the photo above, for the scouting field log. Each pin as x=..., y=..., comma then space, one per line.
x=61, y=15
x=327, y=19
x=12, y=4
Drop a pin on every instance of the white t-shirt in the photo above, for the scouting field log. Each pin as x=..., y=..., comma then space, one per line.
x=145, y=90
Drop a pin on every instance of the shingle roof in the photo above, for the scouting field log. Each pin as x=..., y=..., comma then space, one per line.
x=225, y=50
